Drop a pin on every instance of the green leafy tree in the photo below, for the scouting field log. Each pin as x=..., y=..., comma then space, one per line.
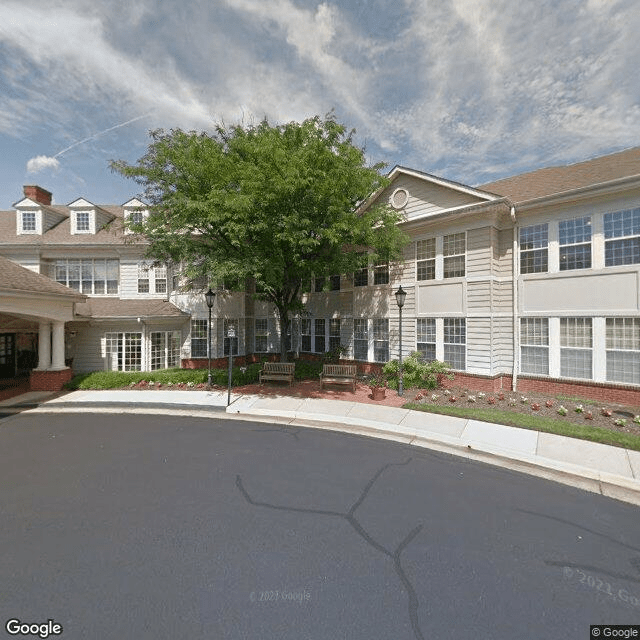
x=278, y=204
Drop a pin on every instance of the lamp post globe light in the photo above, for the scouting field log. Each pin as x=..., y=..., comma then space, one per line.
x=400, y=294
x=209, y=297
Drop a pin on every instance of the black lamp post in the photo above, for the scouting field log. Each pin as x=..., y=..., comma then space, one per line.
x=401, y=294
x=209, y=296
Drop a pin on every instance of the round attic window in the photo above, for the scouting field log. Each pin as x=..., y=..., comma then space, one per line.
x=399, y=198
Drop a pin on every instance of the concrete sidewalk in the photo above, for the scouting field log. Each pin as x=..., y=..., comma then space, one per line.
x=610, y=471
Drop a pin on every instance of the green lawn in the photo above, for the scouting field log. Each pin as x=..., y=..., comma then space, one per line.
x=536, y=423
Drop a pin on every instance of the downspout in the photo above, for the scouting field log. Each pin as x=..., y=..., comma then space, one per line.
x=514, y=302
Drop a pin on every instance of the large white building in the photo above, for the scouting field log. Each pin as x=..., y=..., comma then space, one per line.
x=532, y=280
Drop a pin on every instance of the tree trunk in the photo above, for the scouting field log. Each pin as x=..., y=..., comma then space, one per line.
x=284, y=325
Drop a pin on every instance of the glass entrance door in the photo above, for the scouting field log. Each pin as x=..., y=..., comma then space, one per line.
x=7, y=355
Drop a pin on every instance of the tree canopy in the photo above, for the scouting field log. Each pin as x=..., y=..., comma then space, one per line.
x=279, y=204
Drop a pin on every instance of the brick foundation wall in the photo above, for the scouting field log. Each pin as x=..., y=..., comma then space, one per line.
x=603, y=392
x=49, y=380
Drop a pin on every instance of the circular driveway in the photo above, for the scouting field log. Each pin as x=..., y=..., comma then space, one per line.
x=119, y=526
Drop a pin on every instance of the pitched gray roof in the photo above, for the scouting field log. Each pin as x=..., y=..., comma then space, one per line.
x=117, y=308
x=13, y=277
x=554, y=180
x=60, y=234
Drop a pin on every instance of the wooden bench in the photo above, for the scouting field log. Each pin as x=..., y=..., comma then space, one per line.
x=278, y=371
x=339, y=374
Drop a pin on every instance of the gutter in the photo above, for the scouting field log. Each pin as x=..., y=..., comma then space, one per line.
x=514, y=301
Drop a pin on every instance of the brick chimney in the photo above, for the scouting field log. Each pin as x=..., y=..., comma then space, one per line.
x=38, y=194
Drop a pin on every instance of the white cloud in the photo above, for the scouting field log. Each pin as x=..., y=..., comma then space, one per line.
x=40, y=163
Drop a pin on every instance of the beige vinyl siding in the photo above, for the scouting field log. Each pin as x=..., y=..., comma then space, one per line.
x=502, y=345
x=408, y=324
x=427, y=198
x=479, y=347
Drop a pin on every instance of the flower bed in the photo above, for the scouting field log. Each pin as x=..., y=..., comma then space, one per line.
x=616, y=417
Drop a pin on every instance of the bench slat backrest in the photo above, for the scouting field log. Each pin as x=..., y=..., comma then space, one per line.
x=279, y=367
x=339, y=370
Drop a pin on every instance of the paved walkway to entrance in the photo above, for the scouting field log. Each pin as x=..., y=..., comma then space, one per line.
x=610, y=471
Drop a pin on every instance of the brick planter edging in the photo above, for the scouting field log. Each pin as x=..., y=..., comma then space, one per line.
x=49, y=380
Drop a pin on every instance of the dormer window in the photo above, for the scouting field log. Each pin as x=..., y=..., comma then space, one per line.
x=28, y=220
x=83, y=221
x=135, y=218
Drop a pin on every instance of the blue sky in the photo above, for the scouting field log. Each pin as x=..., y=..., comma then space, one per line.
x=470, y=90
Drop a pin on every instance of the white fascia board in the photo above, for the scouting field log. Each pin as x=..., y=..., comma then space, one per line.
x=442, y=182
x=81, y=203
x=134, y=203
x=26, y=203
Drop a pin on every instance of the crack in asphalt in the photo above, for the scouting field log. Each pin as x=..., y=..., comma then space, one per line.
x=349, y=516
x=283, y=430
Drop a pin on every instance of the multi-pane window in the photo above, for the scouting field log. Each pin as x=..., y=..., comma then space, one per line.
x=230, y=325
x=334, y=283
x=576, y=342
x=319, y=285
x=360, y=339
x=534, y=249
x=381, y=340
x=426, y=338
x=199, y=335
x=320, y=340
x=453, y=250
x=622, y=237
x=623, y=350
x=135, y=218
x=534, y=346
x=381, y=274
x=305, y=335
x=334, y=334
x=28, y=221
x=455, y=342
x=262, y=335
x=165, y=349
x=160, y=277
x=124, y=351
x=82, y=221
x=143, y=277
x=574, y=238
x=92, y=277
x=426, y=259
x=361, y=277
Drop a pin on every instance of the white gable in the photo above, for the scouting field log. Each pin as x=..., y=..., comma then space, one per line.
x=419, y=195
x=81, y=202
x=134, y=203
x=26, y=202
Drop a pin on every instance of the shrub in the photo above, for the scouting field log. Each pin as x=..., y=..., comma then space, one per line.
x=416, y=373
x=307, y=370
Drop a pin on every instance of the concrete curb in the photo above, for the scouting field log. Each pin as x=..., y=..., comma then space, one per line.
x=548, y=456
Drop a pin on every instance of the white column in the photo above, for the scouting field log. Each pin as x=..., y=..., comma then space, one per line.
x=44, y=346
x=57, y=355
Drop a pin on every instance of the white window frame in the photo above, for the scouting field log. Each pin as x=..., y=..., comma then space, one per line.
x=199, y=336
x=361, y=339
x=575, y=242
x=534, y=346
x=26, y=229
x=166, y=353
x=623, y=350
x=261, y=333
x=576, y=344
x=380, y=336
x=622, y=233
x=457, y=343
x=452, y=252
x=426, y=252
x=87, y=219
x=100, y=270
x=306, y=335
x=535, y=257
x=124, y=349
x=426, y=338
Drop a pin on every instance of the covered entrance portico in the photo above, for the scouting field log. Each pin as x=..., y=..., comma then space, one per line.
x=31, y=303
